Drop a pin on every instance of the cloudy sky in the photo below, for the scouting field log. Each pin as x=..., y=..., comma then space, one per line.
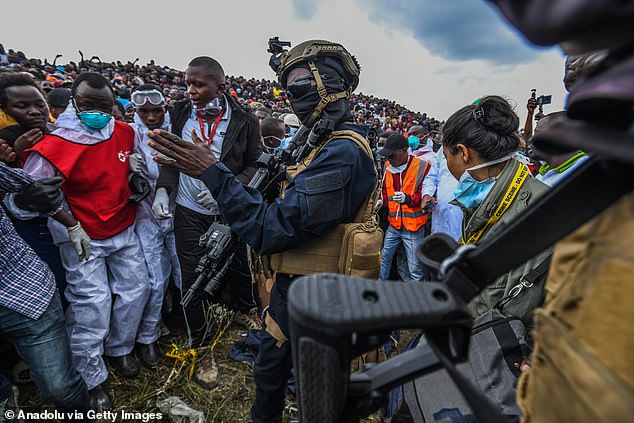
x=433, y=56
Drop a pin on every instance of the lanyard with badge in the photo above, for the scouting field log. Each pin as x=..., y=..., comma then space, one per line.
x=212, y=130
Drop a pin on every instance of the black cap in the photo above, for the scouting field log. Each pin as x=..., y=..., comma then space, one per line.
x=393, y=143
x=59, y=97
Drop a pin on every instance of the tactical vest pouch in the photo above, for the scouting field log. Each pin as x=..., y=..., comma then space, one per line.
x=362, y=242
x=361, y=250
x=319, y=255
x=351, y=248
x=264, y=277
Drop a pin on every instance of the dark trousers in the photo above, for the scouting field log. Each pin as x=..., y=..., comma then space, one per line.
x=35, y=232
x=273, y=364
x=188, y=227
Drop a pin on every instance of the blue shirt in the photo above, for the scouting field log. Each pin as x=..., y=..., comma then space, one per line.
x=341, y=177
x=445, y=217
x=188, y=187
x=26, y=283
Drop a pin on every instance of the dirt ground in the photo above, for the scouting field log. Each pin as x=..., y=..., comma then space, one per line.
x=230, y=401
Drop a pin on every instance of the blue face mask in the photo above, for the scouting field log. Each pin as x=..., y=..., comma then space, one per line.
x=471, y=193
x=292, y=131
x=94, y=119
x=413, y=142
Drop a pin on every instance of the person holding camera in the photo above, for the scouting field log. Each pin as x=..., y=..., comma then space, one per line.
x=300, y=229
x=233, y=135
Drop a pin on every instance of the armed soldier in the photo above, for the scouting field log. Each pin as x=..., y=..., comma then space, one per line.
x=303, y=229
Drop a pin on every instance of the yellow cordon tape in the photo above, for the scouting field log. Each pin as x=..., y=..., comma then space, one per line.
x=509, y=196
x=182, y=355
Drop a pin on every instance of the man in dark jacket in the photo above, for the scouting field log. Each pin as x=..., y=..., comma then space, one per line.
x=325, y=190
x=233, y=135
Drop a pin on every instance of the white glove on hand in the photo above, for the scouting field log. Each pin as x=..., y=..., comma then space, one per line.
x=80, y=240
x=206, y=200
x=161, y=204
x=137, y=162
x=378, y=205
x=399, y=197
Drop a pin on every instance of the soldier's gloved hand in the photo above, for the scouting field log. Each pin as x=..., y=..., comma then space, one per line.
x=399, y=197
x=137, y=162
x=80, y=241
x=161, y=205
x=42, y=196
x=140, y=188
x=206, y=200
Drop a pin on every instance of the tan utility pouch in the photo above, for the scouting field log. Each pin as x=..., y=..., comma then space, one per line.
x=362, y=241
x=361, y=245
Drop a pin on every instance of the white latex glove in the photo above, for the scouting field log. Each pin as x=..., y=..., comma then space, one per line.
x=378, y=205
x=161, y=204
x=399, y=197
x=137, y=162
x=206, y=200
x=80, y=240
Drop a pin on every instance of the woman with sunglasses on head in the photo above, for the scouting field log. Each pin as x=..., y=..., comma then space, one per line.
x=480, y=143
x=156, y=235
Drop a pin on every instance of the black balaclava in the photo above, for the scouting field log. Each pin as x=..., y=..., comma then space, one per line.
x=334, y=79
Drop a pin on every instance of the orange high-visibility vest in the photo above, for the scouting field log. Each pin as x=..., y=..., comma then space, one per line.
x=412, y=218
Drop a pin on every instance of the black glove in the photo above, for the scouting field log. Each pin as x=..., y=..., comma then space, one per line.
x=43, y=196
x=140, y=188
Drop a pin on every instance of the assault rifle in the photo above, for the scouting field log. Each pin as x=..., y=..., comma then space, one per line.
x=219, y=244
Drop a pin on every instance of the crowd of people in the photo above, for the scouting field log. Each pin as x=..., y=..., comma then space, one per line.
x=110, y=173
x=378, y=113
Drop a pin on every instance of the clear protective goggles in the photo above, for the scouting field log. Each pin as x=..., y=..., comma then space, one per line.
x=213, y=108
x=155, y=97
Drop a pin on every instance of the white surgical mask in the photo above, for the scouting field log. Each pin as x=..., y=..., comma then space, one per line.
x=397, y=169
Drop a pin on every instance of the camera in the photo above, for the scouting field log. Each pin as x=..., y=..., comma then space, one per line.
x=544, y=99
x=276, y=48
x=541, y=100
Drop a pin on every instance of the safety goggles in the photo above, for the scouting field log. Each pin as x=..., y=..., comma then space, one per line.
x=213, y=108
x=300, y=87
x=155, y=97
x=279, y=140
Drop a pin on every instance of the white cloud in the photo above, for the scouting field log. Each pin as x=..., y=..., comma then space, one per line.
x=394, y=64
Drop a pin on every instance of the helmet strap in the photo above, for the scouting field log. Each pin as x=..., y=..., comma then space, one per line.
x=324, y=97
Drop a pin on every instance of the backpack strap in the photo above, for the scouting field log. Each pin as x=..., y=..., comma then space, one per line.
x=366, y=211
x=595, y=185
x=526, y=282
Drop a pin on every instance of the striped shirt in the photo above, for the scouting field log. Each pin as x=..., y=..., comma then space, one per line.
x=26, y=283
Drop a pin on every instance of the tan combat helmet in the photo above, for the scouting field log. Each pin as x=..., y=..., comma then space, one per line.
x=308, y=52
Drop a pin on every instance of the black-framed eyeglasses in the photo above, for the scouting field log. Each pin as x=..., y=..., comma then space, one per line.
x=299, y=87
